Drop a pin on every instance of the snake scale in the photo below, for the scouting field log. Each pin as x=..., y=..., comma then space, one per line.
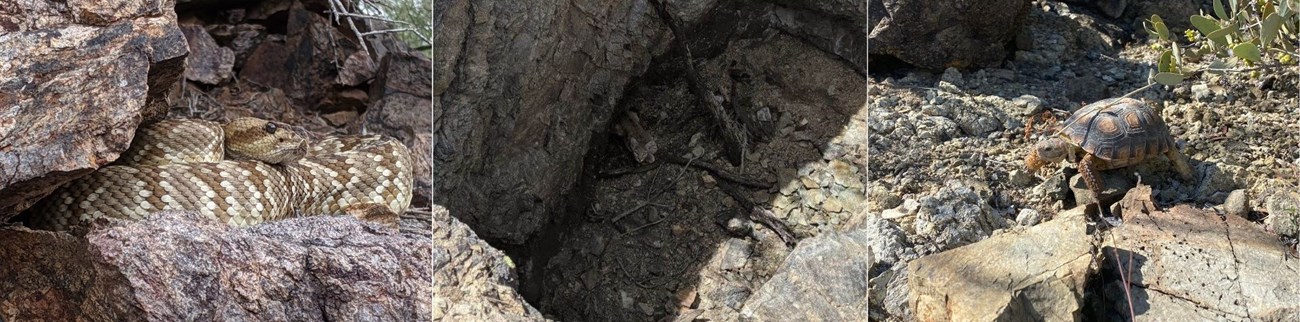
x=244, y=172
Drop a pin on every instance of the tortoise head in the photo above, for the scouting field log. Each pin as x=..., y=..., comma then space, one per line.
x=1047, y=152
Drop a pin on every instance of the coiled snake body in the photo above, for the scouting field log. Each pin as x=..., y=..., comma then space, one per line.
x=271, y=173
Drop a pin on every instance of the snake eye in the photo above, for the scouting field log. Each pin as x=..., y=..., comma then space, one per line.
x=270, y=128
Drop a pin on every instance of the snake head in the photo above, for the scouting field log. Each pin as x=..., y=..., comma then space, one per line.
x=1047, y=152
x=257, y=139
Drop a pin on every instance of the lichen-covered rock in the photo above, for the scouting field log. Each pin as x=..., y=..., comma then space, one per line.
x=939, y=34
x=76, y=79
x=888, y=300
x=1283, y=213
x=824, y=279
x=184, y=266
x=955, y=216
x=471, y=280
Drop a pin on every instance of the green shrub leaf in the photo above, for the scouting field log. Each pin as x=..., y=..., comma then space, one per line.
x=1220, y=36
x=1247, y=51
x=1218, y=67
x=1166, y=61
x=1204, y=24
x=1269, y=29
x=1218, y=10
x=1167, y=78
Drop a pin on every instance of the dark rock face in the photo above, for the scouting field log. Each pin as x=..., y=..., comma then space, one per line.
x=302, y=62
x=208, y=62
x=80, y=77
x=939, y=34
x=517, y=92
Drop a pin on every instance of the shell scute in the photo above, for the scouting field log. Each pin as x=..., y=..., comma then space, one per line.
x=1118, y=129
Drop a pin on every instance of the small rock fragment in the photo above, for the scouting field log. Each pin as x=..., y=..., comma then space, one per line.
x=1028, y=104
x=1237, y=204
x=739, y=227
x=1114, y=185
x=1028, y=217
x=708, y=180
x=1020, y=178
x=1200, y=92
x=952, y=75
x=1283, y=213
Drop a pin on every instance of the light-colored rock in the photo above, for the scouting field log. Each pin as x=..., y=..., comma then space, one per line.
x=955, y=216
x=1038, y=274
x=889, y=295
x=1028, y=217
x=823, y=279
x=1193, y=265
x=1283, y=213
x=887, y=241
x=1237, y=203
x=1216, y=178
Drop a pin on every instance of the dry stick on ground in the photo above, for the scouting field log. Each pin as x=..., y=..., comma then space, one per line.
x=758, y=214
x=715, y=170
x=767, y=218
x=735, y=137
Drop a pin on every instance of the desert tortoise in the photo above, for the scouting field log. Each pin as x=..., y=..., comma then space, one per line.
x=1109, y=134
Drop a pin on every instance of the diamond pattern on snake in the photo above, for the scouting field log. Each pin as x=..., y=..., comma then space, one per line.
x=244, y=172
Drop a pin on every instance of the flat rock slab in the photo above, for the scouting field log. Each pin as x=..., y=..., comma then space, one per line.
x=1038, y=273
x=182, y=266
x=1191, y=265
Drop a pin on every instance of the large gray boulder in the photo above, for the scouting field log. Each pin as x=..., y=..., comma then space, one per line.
x=76, y=78
x=947, y=33
x=182, y=266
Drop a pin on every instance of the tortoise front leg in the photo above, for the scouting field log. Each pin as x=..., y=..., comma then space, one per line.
x=1180, y=164
x=1087, y=168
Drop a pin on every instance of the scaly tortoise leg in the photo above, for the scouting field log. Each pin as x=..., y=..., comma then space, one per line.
x=1087, y=168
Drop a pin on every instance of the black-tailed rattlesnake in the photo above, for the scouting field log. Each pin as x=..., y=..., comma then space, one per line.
x=270, y=173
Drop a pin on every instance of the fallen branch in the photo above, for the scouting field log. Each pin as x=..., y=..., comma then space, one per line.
x=758, y=214
x=716, y=171
x=735, y=137
x=767, y=218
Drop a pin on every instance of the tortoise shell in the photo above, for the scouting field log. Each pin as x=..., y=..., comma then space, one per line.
x=1121, y=131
